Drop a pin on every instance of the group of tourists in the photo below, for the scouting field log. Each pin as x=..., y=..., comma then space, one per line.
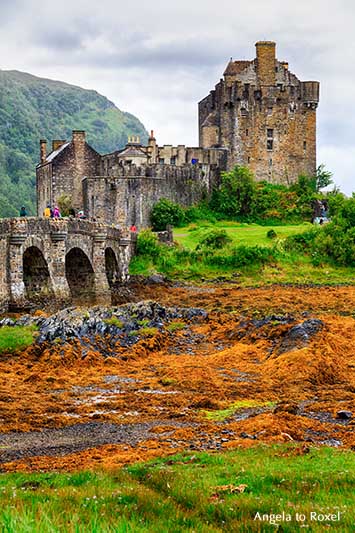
x=54, y=212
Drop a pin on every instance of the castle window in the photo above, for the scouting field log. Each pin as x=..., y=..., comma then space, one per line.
x=270, y=162
x=248, y=159
x=247, y=132
x=304, y=145
x=161, y=161
x=270, y=139
x=173, y=161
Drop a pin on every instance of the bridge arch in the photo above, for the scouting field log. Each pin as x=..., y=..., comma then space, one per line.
x=111, y=266
x=80, y=274
x=36, y=276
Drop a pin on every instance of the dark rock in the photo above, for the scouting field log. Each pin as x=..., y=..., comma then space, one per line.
x=155, y=279
x=244, y=435
x=334, y=443
x=7, y=322
x=276, y=320
x=300, y=335
x=344, y=415
x=113, y=324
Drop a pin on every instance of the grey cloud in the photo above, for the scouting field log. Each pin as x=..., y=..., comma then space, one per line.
x=139, y=52
x=59, y=40
x=157, y=59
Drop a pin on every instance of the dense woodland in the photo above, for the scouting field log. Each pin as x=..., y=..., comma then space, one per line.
x=32, y=108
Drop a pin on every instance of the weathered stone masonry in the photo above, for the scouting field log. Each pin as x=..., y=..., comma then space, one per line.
x=121, y=188
x=64, y=259
x=264, y=116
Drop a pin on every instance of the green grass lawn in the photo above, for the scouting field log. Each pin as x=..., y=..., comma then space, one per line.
x=287, y=267
x=13, y=338
x=249, y=234
x=191, y=492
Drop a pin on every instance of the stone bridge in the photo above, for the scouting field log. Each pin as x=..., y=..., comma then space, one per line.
x=62, y=259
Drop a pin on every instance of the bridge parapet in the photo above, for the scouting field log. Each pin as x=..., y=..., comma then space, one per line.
x=35, y=225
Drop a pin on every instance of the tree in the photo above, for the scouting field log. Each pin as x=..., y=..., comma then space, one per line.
x=236, y=194
x=323, y=178
x=166, y=213
x=65, y=205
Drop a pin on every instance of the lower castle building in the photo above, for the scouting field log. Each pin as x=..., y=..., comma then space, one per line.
x=259, y=115
x=122, y=187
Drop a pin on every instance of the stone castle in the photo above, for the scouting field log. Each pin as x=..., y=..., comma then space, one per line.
x=259, y=115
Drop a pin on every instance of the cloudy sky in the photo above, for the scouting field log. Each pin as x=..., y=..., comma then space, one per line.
x=157, y=59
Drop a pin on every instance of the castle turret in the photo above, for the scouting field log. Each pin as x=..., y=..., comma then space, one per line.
x=310, y=92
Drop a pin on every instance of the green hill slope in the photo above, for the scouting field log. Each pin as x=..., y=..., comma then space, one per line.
x=32, y=108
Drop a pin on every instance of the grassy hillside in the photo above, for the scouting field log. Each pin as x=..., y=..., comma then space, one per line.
x=32, y=108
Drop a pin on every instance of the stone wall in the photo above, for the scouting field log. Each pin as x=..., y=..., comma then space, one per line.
x=129, y=197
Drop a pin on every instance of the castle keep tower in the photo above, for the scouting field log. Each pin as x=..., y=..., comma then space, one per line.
x=265, y=116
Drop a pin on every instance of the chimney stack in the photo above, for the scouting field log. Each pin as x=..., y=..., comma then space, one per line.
x=43, y=150
x=266, y=63
x=152, y=148
x=78, y=137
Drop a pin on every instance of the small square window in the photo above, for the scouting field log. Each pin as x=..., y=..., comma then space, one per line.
x=270, y=133
x=269, y=144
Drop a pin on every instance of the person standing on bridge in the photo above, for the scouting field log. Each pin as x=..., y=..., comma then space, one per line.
x=47, y=213
x=56, y=212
